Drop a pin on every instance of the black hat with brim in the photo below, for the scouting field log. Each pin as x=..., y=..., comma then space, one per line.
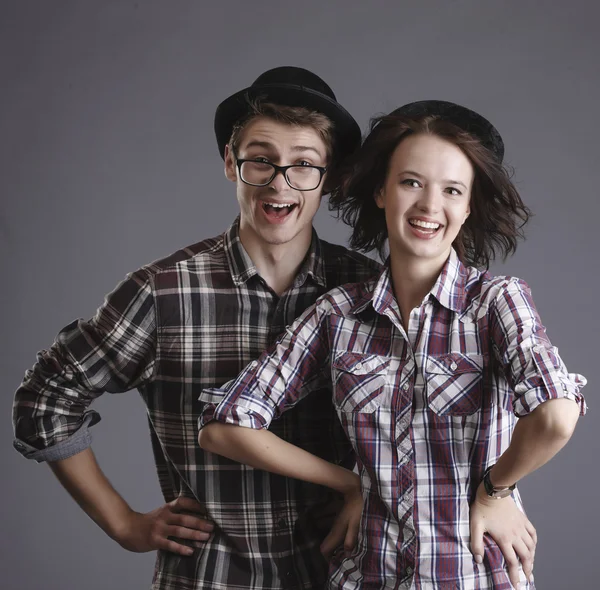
x=462, y=117
x=289, y=86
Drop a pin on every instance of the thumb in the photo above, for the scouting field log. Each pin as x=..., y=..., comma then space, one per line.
x=333, y=540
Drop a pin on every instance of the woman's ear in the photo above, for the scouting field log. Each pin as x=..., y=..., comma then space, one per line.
x=379, y=200
x=467, y=213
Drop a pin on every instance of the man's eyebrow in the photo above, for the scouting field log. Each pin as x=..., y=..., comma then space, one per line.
x=445, y=181
x=306, y=148
x=260, y=144
x=267, y=145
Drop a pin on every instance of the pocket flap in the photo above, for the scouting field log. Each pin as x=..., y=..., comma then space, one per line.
x=361, y=364
x=454, y=363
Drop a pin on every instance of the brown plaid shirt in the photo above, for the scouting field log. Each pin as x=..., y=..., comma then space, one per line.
x=188, y=322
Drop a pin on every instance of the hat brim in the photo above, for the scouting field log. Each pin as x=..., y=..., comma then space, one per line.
x=346, y=131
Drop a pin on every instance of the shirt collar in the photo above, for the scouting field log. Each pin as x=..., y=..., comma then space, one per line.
x=449, y=288
x=242, y=268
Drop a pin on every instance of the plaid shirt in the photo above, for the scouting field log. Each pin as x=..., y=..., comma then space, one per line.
x=426, y=410
x=188, y=322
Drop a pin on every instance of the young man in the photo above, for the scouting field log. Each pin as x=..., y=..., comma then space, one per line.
x=193, y=321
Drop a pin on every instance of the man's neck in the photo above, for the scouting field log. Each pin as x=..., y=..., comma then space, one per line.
x=277, y=264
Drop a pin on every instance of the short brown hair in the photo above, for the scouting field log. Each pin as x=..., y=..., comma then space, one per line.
x=497, y=212
x=298, y=116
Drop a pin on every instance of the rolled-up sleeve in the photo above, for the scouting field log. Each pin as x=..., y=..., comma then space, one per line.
x=532, y=366
x=114, y=352
x=284, y=374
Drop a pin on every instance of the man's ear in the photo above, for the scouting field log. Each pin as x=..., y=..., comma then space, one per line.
x=230, y=168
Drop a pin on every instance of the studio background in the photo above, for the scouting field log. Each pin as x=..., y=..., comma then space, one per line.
x=108, y=161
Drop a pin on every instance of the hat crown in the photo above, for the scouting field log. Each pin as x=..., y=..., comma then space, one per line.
x=460, y=116
x=293, y=76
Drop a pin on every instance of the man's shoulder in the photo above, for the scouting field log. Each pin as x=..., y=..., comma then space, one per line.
x=192, y=258
x=348, y=266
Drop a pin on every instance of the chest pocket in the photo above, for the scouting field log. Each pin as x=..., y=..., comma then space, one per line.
x=454, y=385
x=360, y=382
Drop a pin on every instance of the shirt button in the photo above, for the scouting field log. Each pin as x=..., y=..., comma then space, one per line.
x=454, y=366
x=409, y=570
x=253, y=364
x=358, y=366
x=406, y=387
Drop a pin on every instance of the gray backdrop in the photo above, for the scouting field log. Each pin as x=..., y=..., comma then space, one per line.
x=108, y=161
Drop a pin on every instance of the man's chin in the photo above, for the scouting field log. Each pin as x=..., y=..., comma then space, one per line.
x=277, y=240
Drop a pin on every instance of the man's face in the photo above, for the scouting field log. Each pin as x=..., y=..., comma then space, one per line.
x=263, y=220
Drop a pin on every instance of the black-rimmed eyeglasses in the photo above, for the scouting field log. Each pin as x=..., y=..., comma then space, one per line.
x=301, y=177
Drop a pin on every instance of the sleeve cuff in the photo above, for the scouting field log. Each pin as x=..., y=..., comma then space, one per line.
x=80, y=440
x=555, y=383
x=236, y=415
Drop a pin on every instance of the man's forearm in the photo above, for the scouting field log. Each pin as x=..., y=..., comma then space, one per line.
x=82, y=477
x=535, y=440
x=264, y=450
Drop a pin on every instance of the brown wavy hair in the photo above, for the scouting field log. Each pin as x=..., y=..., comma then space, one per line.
x=296, y=116
x=497, y=212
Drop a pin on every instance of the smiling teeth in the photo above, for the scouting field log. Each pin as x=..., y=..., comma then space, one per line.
x=279, y=205
x=424, y=224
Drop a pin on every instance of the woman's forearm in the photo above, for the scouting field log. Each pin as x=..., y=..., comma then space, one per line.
x=535, y=440
x=264, y=450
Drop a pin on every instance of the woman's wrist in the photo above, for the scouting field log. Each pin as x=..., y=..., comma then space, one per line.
x=347, y=481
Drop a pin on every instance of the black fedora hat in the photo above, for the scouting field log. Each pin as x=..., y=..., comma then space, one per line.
x=462, y=117
x=289, y=86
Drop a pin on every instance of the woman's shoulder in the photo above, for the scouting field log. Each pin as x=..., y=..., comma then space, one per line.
x=484, y=290
x=345, y=299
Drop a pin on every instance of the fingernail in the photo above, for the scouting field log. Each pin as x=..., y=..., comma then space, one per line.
x=189, y=552
x=478, y=559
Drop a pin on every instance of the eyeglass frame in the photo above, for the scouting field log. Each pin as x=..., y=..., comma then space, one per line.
x=279, y=169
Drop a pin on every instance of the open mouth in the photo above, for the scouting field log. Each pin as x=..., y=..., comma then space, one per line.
x=278, y=210
x=428, y=228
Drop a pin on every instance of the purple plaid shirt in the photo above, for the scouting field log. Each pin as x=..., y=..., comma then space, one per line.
x=427, y=410
x=172, y=328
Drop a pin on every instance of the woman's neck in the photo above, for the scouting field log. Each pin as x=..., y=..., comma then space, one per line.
x=412, y=279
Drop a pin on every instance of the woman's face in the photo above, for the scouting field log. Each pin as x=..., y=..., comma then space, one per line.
x=425, y=198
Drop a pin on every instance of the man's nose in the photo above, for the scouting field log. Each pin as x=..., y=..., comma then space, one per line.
x=279, y=183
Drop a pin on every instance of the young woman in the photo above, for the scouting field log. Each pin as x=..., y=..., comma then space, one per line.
x=430, y=365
